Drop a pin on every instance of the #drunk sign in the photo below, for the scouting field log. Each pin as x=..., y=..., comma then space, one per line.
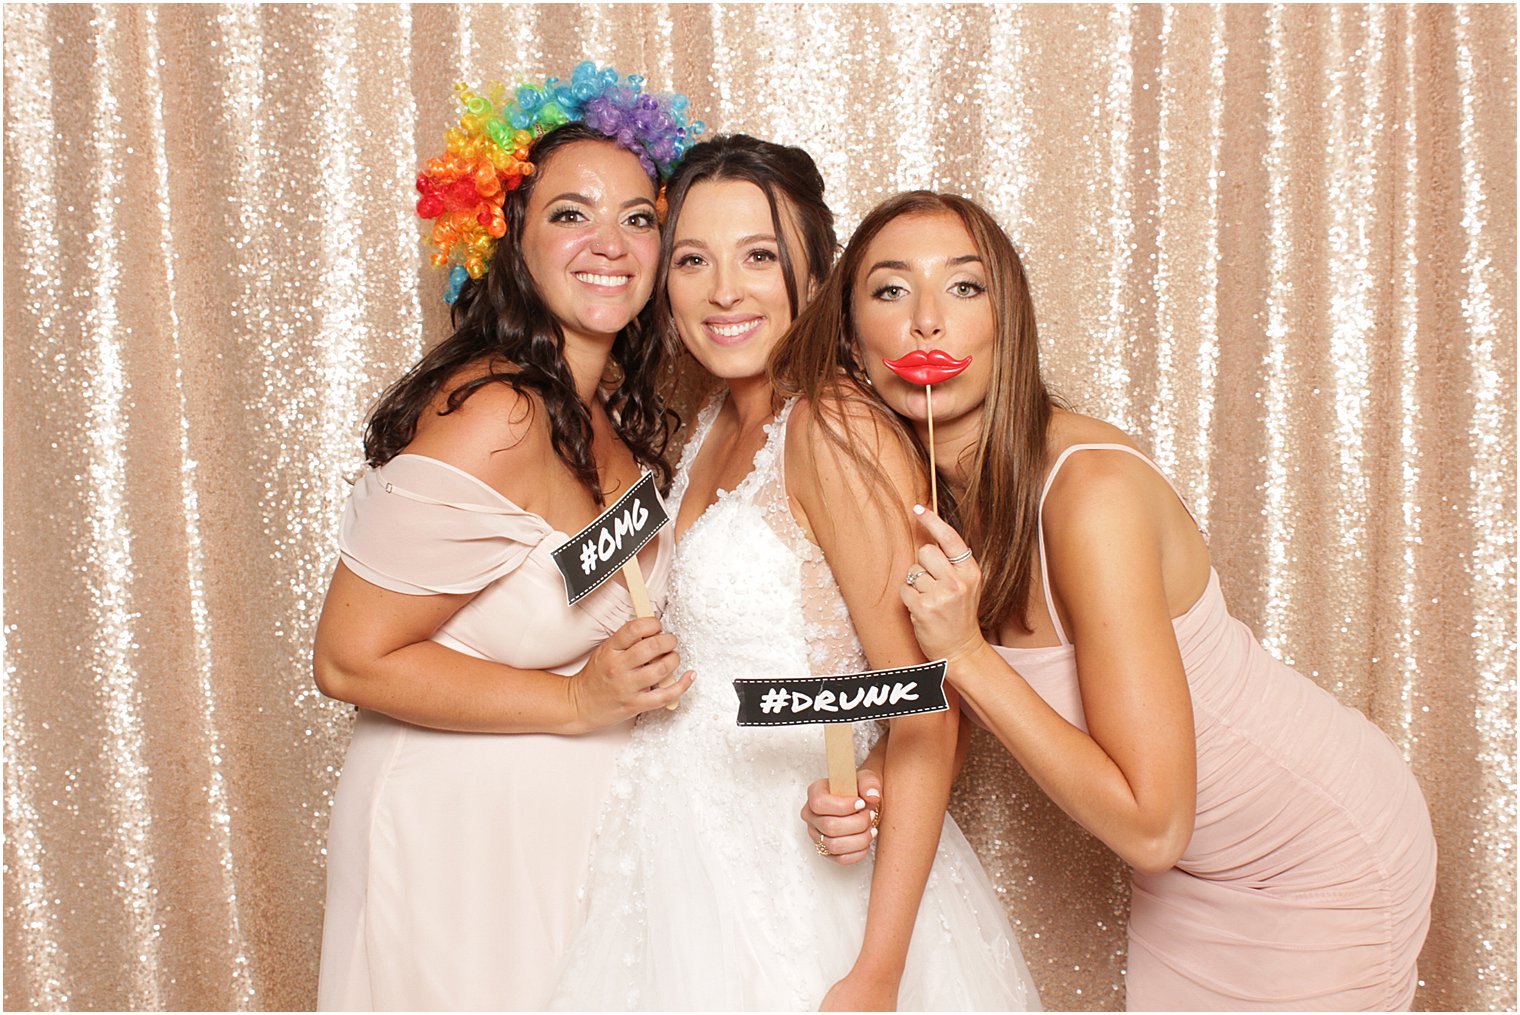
x=839, y=701
x=846, y=697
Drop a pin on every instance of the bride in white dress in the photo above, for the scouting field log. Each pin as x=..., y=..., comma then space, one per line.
x=703, y=893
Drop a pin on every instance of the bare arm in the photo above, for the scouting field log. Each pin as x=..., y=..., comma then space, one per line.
x=373, y=650
x=373, y=645
x=868, y=549
x=847, y=825
x=1131, y=778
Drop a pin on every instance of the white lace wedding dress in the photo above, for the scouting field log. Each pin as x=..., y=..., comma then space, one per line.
x=704, y=891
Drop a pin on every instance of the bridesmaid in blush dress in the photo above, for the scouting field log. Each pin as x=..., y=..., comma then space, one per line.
x=1282, y=850
x=484, y=701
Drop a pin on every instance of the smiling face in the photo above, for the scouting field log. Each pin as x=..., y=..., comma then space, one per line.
x=922, y=285
x=726, y=285
x=590, y=238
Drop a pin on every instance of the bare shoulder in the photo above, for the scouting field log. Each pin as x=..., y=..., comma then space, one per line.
x=864, y=427
x=1071, y=428
x=1096, y=486
x=497, y=434
x=1113, y=522
x=847, y=463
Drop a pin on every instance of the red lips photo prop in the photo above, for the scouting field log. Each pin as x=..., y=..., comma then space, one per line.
x=926, y=367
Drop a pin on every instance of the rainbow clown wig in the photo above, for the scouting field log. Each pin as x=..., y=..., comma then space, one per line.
x=490, y=152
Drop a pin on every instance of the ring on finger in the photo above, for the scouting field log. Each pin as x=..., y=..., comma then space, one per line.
x=961, y=557
x=822, y=846
x=914, y=574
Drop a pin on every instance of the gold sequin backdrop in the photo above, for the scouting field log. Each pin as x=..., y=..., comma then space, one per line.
x=1278, y=244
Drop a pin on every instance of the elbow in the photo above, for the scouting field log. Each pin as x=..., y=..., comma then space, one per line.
x=332, y=679
x=326, y=676
x=1159, y=852
x=1153, y=858
x=926, y=743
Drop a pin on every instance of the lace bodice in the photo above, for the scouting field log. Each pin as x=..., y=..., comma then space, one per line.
x=750, y=596
x=747, y=573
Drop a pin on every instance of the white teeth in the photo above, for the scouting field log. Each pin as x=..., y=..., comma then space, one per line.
x=586, y=276
x=732, y=330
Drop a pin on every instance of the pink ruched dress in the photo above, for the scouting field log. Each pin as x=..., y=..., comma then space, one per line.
x=454, y=858
x=1308, y=880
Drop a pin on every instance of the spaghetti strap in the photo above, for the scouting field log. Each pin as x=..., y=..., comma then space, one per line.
x=1050, y=477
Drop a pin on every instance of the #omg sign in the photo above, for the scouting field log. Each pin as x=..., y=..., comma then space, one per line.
x=598, y=551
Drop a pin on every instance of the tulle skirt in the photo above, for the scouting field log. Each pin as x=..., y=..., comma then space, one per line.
x=705, y=898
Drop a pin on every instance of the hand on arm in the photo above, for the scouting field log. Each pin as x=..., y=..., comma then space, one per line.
x=373, y=650
x=1131, y=778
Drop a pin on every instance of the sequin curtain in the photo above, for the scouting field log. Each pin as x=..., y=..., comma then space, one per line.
x=1276, y=243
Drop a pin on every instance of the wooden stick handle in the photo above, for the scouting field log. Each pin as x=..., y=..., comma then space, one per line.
x=839, y=739
x=639, y=593
x=933, y=471
x=634, y=576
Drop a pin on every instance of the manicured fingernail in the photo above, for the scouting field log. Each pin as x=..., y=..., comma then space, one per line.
x=874, y=831
x=860, y=805
x=873, y=794
x=918, y=509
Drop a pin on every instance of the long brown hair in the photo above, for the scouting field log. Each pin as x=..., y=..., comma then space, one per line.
x=502, y=319
x=998, y=512
x=817, y=359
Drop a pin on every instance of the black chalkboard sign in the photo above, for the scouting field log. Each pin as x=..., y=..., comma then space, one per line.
x=595, y=553
x=848, y=697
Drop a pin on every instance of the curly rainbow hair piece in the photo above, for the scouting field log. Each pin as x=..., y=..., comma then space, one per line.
x=490, y=152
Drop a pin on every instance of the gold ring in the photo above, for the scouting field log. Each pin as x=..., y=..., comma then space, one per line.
x=876, y=817
x=914, y=574
x=961, y=557
x=821, y=846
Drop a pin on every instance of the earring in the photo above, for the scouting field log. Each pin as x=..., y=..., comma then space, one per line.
x=855, y=357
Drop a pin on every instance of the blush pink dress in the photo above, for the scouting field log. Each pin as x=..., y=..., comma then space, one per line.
x=1308, y=880
x=453, y=858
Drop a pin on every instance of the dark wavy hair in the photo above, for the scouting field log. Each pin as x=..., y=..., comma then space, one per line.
x=780, y=171
x=502, y=320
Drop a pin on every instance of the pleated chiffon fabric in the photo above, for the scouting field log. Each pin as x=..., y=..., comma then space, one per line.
x=1276, y=243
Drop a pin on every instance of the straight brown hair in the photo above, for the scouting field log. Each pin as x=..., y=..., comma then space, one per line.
x=999, y=511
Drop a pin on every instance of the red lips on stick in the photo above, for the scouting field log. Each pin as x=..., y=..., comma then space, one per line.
x=928, y=367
